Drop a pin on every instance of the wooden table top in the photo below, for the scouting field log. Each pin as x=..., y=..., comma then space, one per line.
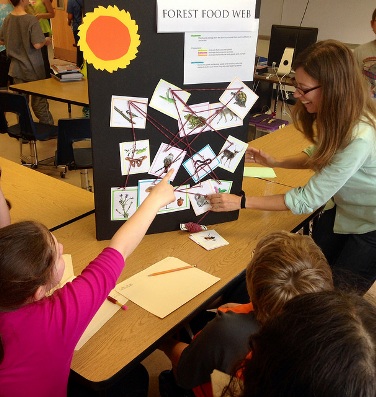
x=130, y=336
x=40, y=197
x=72, y=92
x=286, y=141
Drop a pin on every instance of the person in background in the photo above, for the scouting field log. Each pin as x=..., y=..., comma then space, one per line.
x=4, y=208
x=44, y=11
x=336, y=113
x=38, y=331
x=283, y=265
x=5, y=9
x=23, y=49
x=75, y=11
x=365, y=54
x=322, y=344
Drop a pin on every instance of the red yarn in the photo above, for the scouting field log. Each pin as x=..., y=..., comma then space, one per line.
x=192, y=227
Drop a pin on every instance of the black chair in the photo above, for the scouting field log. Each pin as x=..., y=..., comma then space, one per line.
x=74, y=147
x=26, y=130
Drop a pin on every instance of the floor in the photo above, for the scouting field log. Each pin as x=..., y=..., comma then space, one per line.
x=9, y=149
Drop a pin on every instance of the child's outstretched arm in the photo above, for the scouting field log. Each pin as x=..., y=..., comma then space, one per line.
x=126, y=239
x=4, y=209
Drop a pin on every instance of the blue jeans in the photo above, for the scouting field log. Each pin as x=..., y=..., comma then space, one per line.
x=352, y=257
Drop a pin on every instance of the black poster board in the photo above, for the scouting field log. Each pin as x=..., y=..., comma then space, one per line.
x=160, y=56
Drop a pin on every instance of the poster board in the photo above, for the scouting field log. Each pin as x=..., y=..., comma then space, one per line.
x=159, y=58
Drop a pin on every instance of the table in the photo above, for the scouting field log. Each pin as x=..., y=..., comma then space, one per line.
x=37, y=196
x=70, y=92
x=130, y=336
x=284, y=142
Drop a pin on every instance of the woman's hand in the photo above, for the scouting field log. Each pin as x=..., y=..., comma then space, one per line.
x=224, y=202
x=253, y=155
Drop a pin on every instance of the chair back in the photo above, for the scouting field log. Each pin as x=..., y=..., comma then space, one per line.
x=71, y=131
x=18, y=105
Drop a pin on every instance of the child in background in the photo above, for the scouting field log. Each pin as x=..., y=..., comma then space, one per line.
x=283, y=265
x=4, y=209
x=39, y=333
x=323, y=344
x=23, y=39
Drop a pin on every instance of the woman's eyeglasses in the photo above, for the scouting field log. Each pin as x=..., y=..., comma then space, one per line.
x=303, y=91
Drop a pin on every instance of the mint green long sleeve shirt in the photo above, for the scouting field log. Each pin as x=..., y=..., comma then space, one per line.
x=350, y=180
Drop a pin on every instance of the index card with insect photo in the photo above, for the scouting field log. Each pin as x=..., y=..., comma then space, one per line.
x=208, y=239
x=134, y=157
x=231, y=153
x=197, y=196
x=167, y=157
x=123, y=202
x=128, y=112
x=221, y=186
x=192, y=119
x=239, y=98
x=181, y=196
x=201, y=163
x=168, y=98
x=221, y=117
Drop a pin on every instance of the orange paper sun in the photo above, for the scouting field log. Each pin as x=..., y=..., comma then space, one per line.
x=108, y=38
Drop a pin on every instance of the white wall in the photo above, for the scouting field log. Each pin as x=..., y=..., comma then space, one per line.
x=344, y=20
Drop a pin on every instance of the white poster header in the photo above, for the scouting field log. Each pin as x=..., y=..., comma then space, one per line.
x=206, y=16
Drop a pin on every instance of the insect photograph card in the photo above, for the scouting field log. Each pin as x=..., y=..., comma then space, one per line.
x=168, y=98
x=134, y=157
x=201, y=163
x=208, y=239
x=239, y=98
x=128, y=112
x=123, y=202
x=197, y=196
x=221, y=117
x=231, y=153
x=221, y=186
x=192, y=119
x=181, y=196
x=167, y=157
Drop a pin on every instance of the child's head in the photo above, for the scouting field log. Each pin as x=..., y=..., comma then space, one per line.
x=323, y=344
x=28, y=255
x=15, y=3
x=285, y=265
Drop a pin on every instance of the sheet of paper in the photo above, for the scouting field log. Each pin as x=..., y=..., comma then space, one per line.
x=208, y=239
x=105, y=312
x=259, y=172
x=162, y=294
x=219, y=381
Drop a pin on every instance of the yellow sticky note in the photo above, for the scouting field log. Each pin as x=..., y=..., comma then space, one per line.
x=259, y=172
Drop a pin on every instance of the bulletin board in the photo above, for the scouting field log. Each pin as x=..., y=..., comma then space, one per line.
x=158, y=61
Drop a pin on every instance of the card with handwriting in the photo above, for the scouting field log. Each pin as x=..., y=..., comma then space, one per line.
x=208, y=239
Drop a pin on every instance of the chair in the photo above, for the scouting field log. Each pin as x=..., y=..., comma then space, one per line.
x=74, y=147
x=26, y=130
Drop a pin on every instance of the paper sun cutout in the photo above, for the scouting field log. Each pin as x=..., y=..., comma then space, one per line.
x=108, y=38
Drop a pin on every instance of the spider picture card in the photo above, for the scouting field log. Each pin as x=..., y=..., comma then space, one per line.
x=134, y=157
x=193, y=119
x=123, y=202
x=167, y=157
x=209, y=239
x=201, y=163
x=238, y=97
x=231, y=153
x=221, y=186
x=197, y=196
x=181, y=196
x=221, y=117
x=128, y=112
x=168, y=98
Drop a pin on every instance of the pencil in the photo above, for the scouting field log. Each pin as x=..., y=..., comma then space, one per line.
x=116, y=302
x=171, y=270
